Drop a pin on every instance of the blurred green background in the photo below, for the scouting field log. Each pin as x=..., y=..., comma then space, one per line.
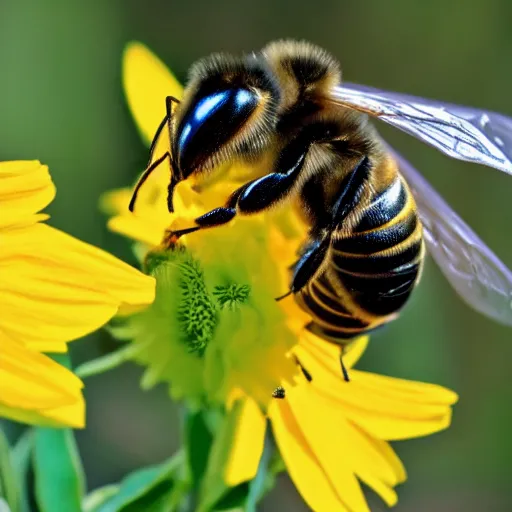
x=61, y=102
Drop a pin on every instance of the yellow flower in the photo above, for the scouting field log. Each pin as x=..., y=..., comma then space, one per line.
x=330, y=433
x=53, y=289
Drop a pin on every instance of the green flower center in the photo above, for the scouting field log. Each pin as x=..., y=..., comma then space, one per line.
x=232, y=295
x=214, y=328
x=197, y=313
x=198, y=310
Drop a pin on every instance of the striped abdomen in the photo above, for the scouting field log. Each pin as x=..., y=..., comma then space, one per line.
x=370, y=270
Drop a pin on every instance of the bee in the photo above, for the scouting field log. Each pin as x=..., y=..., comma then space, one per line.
x=370, y=214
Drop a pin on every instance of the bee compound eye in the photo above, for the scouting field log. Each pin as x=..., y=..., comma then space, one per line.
x=211, y=122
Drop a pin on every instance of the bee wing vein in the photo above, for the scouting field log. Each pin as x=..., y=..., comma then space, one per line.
x=463, y=133
x=480, y=278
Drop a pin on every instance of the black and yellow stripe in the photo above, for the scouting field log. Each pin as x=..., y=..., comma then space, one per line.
x=370, y=269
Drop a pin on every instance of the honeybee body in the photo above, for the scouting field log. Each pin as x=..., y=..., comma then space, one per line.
x=364, y=250
x=375, y=253
x=287, y=108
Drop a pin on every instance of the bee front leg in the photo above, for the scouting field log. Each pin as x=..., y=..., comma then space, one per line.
x=267, y=191
x=213, y=218
x=237, y=201
x=257, y=195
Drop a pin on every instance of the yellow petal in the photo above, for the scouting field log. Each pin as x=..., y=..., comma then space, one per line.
x=385, y=407
x=58, y=288
x=25, y=188
x=147, y=82
x=329, y=353
x=343, y=449
x=399, y=409
x=66, y=416
x=115, y=201
x=151, y=216
x=52, y=347
x=35, y=389
x=137, y=229
x=375, y=463
x=326, y=431
x=354, y=351
x=301, y=462
x=70, y=415
x=247, y=445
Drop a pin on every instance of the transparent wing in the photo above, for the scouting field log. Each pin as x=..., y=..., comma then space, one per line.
x=474, y=271
x=460, y=132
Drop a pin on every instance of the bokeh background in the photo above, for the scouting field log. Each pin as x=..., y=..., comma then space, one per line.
x=61, y=102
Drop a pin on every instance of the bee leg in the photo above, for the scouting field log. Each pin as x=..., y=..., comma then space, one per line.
x=351, y=193
x=266, y=191
x=213, y=218
x=216, y=217
x=258, y=194
x=306, y=374
x=343, y=368
x=309, y=263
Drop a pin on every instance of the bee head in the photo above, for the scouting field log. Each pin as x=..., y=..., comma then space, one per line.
x=228, y=112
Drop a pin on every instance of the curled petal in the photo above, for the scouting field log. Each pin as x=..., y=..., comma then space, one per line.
x=35, y=389
x=59, y=288
x=64, y=416
x=398, y=409
x=25, y=189
x=385, y=407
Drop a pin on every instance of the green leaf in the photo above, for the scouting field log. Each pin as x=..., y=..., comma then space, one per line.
x=9, y=489
x=214, y=489
x=148, y=485
x=59, y=477
x=215, y=494
x=234, y=498
x=20, y=456
x=105, y=363
x=271, y=464
x=166, y=496
x=93, y=501
x=198, y=441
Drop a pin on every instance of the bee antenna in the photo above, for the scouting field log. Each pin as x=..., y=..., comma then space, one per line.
x=166, y=121
x=144, y=177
